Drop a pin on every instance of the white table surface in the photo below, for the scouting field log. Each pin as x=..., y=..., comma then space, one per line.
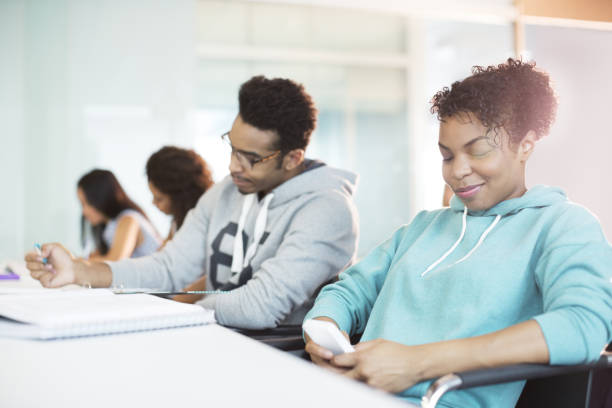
x=208, y=366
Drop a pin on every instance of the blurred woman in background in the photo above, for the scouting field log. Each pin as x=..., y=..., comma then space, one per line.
x=177, y=179
x=120, y=228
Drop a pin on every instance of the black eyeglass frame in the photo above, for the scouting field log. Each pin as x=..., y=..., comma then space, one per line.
x=246, y=161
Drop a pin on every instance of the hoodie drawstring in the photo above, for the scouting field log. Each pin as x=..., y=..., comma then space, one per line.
x=240, y=261
x=482, y=238
x=237, y=255
x=463, y=228
x=443, y=257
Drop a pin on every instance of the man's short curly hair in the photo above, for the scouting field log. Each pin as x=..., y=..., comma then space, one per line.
x=513, y=96
x=280, y=105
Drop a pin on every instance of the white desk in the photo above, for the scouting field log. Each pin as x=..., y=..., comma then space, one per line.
x=208, y=366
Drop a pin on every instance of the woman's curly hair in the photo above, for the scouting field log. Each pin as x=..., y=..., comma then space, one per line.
x=280, y=105
x=183, y=175
x=513, y=96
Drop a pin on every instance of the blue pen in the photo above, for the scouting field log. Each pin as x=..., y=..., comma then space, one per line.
x=39, y=252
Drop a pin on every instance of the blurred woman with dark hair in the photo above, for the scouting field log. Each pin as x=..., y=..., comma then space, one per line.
x=177, y=179
x=119, y=227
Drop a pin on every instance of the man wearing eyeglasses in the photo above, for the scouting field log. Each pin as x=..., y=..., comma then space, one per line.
x=266, y=237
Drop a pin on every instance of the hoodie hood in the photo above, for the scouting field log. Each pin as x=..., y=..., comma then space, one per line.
x=317, y=177
x=536, y=197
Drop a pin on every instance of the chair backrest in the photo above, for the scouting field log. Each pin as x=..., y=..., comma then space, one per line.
x=586, y=385
x=563, y=391
x=588, y=389
x=600, y=391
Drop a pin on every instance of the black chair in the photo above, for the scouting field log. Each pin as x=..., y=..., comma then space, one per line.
x=584, y=386
x=285, y=338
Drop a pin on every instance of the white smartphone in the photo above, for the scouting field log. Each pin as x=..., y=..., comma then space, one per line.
x=327, y=334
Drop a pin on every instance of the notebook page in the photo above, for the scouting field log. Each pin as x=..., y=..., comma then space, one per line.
x=89, y=307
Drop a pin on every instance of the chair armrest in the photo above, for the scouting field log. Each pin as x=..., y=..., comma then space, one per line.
x=286, y=338
x=520, y=372
x=497, y=375
x=280, y=330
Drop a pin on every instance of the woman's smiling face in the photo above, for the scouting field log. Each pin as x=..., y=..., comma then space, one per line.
x=481, y=167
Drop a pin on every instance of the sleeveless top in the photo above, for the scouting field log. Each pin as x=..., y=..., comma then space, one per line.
x=151, y=239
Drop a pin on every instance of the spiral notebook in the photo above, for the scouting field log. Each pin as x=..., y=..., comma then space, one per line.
x=66, y=314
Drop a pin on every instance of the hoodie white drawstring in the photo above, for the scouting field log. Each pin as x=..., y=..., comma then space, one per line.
x=238, y=253
x=443, y=257
x=482, y=238
x=463, y=228
x=240, y=261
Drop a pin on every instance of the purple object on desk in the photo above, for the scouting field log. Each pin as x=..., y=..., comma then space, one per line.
x=8, y=274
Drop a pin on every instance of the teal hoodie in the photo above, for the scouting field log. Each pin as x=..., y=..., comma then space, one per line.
x=454, y=273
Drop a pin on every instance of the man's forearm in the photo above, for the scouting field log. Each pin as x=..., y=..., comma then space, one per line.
x=94, y=274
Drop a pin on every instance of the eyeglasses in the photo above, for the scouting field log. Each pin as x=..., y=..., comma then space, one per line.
x=246, y=159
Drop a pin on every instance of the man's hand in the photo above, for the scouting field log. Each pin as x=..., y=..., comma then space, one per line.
x=199, y=285
x=59, y=269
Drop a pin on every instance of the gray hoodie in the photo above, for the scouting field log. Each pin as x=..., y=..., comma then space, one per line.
x=310, y=235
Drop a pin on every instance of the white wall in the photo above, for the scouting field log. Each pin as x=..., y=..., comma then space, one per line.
x=453, y=48
x=576, y=156
x=86, y=84
x=11, y=128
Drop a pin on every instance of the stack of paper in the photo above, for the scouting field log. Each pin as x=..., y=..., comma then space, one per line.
x=61, y=314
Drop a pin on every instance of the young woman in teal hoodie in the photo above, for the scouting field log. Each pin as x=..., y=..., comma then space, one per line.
x=505, y=275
